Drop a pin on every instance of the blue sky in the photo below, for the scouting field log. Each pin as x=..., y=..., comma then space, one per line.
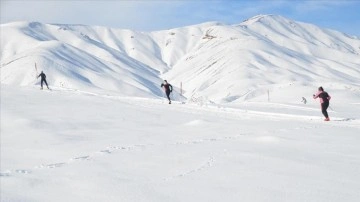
x=151, y=15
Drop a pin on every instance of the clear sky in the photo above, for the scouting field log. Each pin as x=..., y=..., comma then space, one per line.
x=151, y=15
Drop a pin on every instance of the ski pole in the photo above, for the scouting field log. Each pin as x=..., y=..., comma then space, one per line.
x=37, y=73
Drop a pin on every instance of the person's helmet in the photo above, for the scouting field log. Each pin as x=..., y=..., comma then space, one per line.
x=321, y=88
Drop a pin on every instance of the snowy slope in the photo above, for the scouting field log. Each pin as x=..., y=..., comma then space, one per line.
x=267, y=50
x=238, y=59
x=65, y=145
x=73, y=60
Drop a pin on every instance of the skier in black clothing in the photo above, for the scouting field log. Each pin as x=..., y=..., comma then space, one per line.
x=168, y=89
x=43, y=79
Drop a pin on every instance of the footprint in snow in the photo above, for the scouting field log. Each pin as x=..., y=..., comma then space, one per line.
x=55, y=165
x=23, y=171
x=81, y=158
x=5, y=174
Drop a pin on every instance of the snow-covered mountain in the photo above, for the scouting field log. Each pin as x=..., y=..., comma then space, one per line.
x=220, y=62
x=104, y=134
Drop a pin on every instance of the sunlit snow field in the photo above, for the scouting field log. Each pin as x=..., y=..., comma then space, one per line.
x=66, y=145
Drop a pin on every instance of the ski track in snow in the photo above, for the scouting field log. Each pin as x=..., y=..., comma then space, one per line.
x=209, y=163
x=189, y=107
x=259, y=137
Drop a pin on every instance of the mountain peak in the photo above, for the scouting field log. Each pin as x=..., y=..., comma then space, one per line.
x=258, y=18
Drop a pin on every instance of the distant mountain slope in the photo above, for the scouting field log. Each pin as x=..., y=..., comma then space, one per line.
x=72, y=59
x=234, y=60
x=221, y=62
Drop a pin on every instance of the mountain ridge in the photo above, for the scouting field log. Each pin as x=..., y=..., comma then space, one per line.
x=262, y=50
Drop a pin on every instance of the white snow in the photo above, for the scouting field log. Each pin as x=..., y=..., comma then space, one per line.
x=240, y=132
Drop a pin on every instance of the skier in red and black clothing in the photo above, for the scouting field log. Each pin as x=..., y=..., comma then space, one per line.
x=324, y=101
x=168, y=89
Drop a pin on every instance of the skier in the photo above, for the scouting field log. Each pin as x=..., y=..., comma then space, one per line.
x=168, y=89
x=43, y=79
x=324, y=100
x=304, y=100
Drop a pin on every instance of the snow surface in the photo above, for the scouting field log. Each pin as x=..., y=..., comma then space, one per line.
x=65, y=145
x=239, y=132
